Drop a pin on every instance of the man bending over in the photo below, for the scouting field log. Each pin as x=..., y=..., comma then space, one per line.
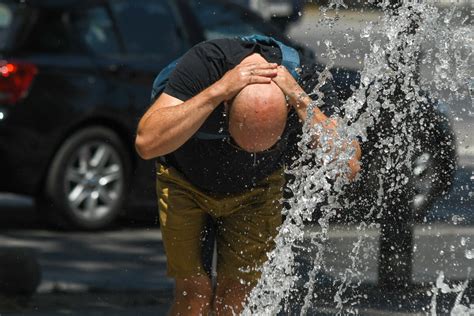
x=223, y=127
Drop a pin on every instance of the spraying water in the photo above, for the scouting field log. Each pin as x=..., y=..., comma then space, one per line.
x=390, y=91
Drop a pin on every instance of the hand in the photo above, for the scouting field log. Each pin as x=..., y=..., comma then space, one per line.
x=244, y=74
x=354, y=168
x=289, y=86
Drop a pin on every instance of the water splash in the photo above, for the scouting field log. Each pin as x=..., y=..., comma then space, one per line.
x=390, y=90
x=458, y=289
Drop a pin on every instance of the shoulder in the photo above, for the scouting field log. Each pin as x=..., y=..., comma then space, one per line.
x=201, y=66
x=209, y=58
x=216, y=48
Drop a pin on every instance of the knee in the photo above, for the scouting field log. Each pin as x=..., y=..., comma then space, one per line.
x=229, y=304
x=230, y=298
x=193, y=296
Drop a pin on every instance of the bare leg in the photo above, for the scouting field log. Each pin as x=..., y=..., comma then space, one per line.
x=230, y=296
x=193, y=296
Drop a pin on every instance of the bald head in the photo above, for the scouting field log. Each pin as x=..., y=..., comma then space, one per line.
x=257, y=116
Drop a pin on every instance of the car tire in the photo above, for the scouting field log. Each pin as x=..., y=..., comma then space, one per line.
x=86, y=183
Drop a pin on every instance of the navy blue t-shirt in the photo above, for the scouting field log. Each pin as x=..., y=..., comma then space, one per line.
x=218, y=166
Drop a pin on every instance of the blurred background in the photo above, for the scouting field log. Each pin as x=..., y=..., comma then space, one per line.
x=78, y=218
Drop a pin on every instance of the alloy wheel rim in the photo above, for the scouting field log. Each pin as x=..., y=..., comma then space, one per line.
x=93, y=180
x=423, y=176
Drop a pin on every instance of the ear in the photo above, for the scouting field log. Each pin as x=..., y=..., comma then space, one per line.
x=227, y=105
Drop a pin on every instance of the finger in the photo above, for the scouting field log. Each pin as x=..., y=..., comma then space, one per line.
x=260, y=72
x=354, y=167
x=283, y=69
x=266, y=65
x=259, y=79
x=264, y=72
x=261, y=66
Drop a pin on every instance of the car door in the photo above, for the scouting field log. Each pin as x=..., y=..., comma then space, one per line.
x=152, y=37
x=95, y=29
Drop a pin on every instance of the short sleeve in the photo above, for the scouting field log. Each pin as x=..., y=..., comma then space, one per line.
x=200, y=67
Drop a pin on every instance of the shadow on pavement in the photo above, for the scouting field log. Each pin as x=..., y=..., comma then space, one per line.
x=91, y=303
x=370, y=301
x=19, y=213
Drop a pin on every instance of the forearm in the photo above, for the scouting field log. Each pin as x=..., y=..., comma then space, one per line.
x=163, y=129
x=354, y=163
x=301, y=101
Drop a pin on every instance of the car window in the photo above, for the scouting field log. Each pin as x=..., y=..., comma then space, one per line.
x=219, y=19
x=54, y=23
x=6, y=18
x=148, y=27
x=96, y=31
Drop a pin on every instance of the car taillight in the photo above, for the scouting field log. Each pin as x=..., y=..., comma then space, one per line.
x=15, y=80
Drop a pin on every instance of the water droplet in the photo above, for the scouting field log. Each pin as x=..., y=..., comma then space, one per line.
x=469, y=254
x=317, y=183
x=349, y=38
x=457, y=219
x=366, y=31
x=376, y=46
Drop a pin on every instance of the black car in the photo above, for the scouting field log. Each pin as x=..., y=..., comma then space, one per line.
x=278, y=12
x=75, y=77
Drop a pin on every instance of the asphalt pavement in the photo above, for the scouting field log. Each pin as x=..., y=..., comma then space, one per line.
x=122, y=271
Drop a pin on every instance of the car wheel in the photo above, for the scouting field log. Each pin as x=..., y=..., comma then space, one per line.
x=433, y=170
x=86, y=183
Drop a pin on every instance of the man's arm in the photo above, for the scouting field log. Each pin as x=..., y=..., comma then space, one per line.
x=170, y=122
x=300, y=101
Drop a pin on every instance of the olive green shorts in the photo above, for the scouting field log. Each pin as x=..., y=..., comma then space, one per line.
x=246, y=225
